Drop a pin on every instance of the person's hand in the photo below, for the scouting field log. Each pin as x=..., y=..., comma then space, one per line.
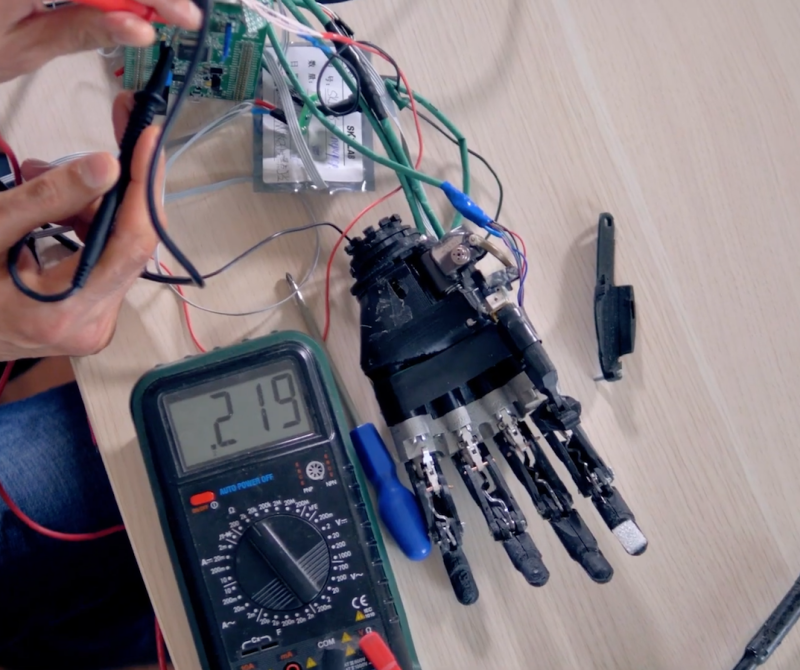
x=30, y=35
x=69, y=195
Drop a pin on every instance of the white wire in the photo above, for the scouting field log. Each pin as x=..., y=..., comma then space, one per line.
x=216, y=124
x=276, y=18
x=261, y=310
x=115, y=51
x=207, y=188
x=293, y=124
x=203, y=132
x=69, y=158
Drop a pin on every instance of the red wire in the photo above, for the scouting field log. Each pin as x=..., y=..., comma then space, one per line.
x=12, y=158
x=519, y=239
x=120, y=72
x=346, y=40
x=258, y=102
x=364, y=211
x=65, y=537
x=9, y=367
x=187, y=315
x=160, y=648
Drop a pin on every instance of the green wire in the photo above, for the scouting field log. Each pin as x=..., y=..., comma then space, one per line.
x=369, y=153
x=402, y=103
x=409, y=178
x=391, y=142
x=404, y=181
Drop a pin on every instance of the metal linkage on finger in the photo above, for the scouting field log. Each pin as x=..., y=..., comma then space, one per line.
x=558, y=419
x=592, y=477
x=505, y=519
x=444, y=526
x=551, y=498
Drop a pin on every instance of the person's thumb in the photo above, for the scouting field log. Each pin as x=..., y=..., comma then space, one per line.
x=55, y=195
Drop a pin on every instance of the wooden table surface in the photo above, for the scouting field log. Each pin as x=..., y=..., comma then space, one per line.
x=681, y=118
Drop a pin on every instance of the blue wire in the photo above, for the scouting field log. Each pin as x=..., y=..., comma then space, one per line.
x=522, y=264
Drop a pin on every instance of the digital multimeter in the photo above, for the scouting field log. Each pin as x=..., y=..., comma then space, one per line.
x=263, y=508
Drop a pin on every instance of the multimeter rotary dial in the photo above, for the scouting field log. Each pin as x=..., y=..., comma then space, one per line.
x=282, y=562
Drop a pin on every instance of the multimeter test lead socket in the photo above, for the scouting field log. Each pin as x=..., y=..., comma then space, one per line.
x=397, y=506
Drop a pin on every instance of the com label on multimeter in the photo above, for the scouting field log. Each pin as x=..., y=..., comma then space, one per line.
x=261, y=507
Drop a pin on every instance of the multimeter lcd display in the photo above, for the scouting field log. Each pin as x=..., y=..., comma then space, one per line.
x=218, y=419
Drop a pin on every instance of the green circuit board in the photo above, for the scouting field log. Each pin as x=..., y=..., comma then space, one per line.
x=230, y=62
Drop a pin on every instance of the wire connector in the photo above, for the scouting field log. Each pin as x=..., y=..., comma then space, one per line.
x=468, y=209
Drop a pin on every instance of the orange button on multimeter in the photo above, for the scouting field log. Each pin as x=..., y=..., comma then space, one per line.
x=202, y=498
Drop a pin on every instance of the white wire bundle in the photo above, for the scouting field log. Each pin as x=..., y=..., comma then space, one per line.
x=280, y=20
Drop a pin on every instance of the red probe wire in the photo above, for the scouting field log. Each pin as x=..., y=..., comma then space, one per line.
x=160, y=648
x=359, y=216
x=5, y=376
x=378, y=652
x=187, y=315
x=130, y=6
x=55, y=535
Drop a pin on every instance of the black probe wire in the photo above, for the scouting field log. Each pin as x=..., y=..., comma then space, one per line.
x=501, y=191
x=194, y=278
x=104, y=219
x=347, y=106
x=56, y=233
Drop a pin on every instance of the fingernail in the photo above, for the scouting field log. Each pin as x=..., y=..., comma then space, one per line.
x=194, y=16
x=121, y=34
x=35, y=164
x=94, y=171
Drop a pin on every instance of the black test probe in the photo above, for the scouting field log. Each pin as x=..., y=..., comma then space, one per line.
x=775, y=628
x=148, y=102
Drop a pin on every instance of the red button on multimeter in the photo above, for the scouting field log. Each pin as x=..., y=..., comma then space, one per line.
x=202, y=498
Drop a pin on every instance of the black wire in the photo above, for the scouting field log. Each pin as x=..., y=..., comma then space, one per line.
x=353, y=100
x=166, y=279
x=63, y=240
x=350, y=104
x=388, y=57
x=152, y=203
x=488, y=165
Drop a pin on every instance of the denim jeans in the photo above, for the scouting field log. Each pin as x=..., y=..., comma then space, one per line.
x=75, y=605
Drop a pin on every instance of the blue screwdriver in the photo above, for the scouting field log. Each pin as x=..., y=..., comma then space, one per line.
x=397, y=506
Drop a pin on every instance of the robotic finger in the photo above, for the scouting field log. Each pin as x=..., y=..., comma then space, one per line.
x=506, y=521
x=551, y=498
x=444, y=526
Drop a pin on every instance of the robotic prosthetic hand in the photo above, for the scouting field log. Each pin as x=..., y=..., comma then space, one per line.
x=455, y=364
